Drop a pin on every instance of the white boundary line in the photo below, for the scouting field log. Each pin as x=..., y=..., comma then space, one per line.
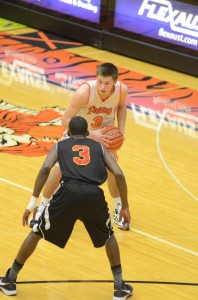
x=162, y=157
x=16, y=184
x=165, y=242
x=133, y=229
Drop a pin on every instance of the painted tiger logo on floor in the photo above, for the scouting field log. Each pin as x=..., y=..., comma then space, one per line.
x=29, y=132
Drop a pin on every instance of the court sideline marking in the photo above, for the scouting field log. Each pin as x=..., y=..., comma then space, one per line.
x=133, y=229
x=108, y=281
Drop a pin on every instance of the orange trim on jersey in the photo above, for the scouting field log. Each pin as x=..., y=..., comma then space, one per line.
x=103, y=100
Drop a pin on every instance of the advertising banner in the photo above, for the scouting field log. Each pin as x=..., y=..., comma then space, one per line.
x=169, y=21
x=83, y=9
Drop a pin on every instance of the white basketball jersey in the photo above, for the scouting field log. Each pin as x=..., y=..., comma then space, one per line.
x=100, y=113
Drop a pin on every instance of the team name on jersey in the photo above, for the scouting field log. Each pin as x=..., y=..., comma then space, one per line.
x=99, y=110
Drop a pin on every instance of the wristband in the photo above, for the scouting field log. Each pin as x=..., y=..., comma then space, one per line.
x=32, y=204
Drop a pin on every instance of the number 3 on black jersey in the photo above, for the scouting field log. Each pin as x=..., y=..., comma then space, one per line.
x=83, y=157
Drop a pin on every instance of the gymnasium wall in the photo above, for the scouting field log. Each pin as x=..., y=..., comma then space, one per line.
x=104, y=34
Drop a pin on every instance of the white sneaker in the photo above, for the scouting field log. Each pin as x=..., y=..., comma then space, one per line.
x=39, y=211
x=116, y=216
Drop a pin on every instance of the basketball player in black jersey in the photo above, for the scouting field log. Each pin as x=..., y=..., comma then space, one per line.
x=83, y=163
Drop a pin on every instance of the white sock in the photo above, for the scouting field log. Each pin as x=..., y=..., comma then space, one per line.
x=117, y=202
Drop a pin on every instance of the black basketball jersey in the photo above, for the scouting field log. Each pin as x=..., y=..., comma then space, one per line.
x=82, y=159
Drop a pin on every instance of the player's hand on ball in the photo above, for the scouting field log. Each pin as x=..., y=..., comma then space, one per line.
x=115, y=136
x=99, y=136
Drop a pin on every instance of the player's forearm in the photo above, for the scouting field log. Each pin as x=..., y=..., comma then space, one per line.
x=121, y=118
x=91, y=134
x=40, y=181
x=122, y=188
x=65, y=121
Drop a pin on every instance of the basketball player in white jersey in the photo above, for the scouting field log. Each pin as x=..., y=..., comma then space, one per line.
x=102, y=102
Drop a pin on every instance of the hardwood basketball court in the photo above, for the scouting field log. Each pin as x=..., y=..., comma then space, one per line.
x=159, y=159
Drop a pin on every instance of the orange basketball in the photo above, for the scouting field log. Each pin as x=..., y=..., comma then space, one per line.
x=115, y=136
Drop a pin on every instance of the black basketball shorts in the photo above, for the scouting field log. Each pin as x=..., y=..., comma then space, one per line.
x=72, y=202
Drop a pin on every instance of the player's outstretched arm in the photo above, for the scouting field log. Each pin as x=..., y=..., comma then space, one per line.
x=121, y=185
x=41, y=178
x=79, y=99
x=122, y=110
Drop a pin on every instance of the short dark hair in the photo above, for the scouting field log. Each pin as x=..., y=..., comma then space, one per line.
x=107, y=69
x=78, y=126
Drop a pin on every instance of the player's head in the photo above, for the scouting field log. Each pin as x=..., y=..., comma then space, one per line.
x=107, y=69
x=78, y=126
x=106, y=77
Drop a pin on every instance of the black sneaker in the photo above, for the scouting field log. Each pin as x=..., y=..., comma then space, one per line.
x=32, y=223
x=8, y=287
x=122, y=293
